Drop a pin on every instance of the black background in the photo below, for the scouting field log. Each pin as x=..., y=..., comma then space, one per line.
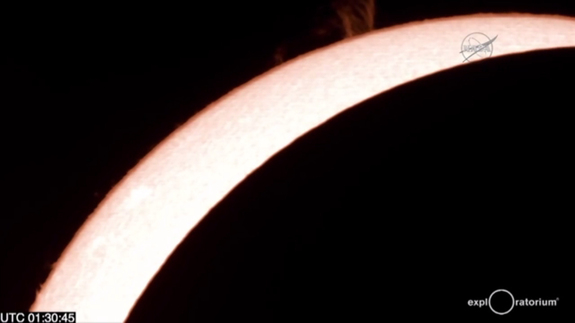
x=87, y=91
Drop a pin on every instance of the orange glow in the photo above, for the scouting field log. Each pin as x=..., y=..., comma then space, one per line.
x=133, y=231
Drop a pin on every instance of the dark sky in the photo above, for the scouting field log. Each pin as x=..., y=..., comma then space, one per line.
x=86, y=91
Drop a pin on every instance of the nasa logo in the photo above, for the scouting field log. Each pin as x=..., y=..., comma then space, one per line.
x=476, y=46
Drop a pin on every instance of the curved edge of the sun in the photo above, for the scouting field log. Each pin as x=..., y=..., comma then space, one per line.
x=136, y=227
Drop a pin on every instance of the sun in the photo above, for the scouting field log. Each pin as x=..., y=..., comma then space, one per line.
x=126, y=240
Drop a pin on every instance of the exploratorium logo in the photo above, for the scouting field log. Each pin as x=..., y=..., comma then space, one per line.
x=501, y=302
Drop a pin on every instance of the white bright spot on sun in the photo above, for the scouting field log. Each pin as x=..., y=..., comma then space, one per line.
x=138, y=195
